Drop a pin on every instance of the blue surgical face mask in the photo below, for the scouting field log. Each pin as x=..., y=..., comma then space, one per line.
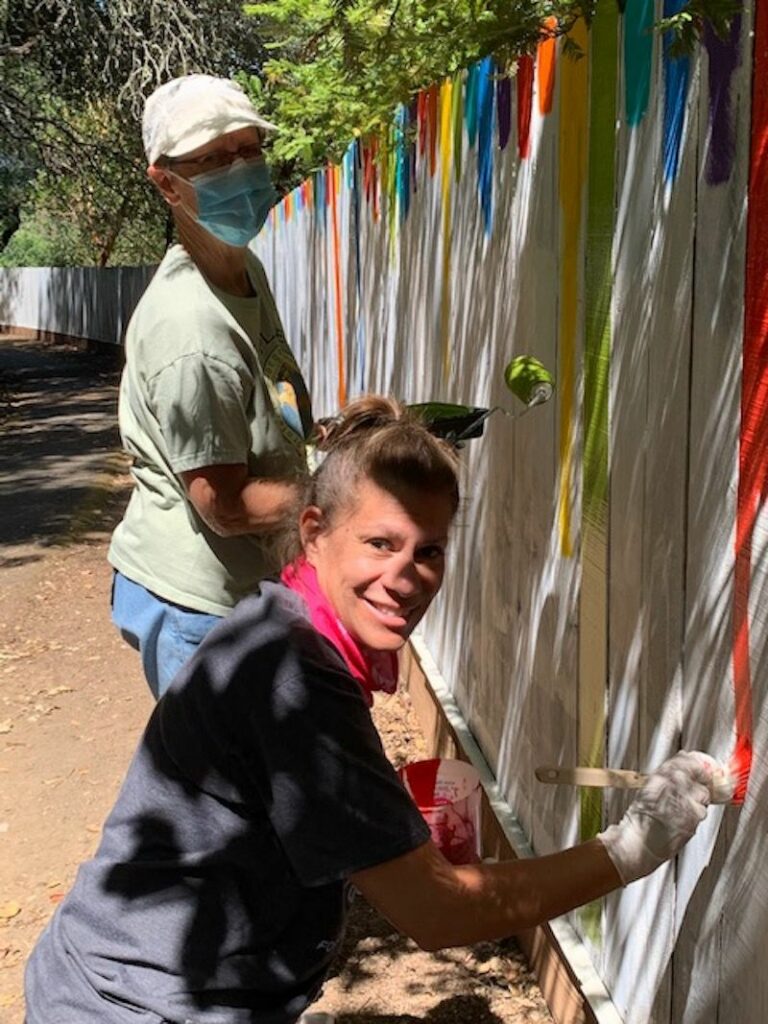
x=233, y=202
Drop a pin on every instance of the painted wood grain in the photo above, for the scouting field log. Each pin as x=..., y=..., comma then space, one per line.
x=631, y=918
x=708, y=706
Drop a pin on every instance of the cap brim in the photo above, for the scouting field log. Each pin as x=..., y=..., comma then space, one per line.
x=190, y=141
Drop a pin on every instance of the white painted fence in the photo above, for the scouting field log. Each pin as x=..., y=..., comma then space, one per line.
x=606, y=601
x=77, y=302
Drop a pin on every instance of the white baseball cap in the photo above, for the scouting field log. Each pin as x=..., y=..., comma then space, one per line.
x=187, y=112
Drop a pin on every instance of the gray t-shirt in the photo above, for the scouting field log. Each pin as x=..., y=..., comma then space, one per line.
x=209, y=379
x=217, y=894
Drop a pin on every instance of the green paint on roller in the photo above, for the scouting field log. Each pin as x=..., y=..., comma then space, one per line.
x=526, y=378
x=450, y=420
x=529, y=380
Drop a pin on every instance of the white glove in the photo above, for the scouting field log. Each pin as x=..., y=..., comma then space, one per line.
x=663, y=816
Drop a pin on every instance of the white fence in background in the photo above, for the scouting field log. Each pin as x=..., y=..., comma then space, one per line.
x=77, y=302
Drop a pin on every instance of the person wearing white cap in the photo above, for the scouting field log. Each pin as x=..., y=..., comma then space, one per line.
x=213, y=407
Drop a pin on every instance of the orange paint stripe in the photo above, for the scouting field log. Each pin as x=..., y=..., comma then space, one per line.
x=546, y=58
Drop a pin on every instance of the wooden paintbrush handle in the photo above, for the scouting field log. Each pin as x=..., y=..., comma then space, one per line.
x=618, y=778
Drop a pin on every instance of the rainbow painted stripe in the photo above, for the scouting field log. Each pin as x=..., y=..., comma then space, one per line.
x=483, y=109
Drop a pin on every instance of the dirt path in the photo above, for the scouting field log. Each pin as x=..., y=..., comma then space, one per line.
x=73, y=702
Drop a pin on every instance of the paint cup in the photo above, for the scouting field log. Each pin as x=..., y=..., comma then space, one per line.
x=529, y=380
x=448, y=794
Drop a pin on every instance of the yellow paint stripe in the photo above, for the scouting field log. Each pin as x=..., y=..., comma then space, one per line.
x=446, y=153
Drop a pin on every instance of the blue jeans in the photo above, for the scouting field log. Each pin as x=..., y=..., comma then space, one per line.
x=166, y=635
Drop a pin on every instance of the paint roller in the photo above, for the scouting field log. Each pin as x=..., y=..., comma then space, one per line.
x=527, y=379
x=723, y=784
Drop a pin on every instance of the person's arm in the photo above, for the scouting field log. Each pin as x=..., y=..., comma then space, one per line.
x=232, y=503
x=438, y=904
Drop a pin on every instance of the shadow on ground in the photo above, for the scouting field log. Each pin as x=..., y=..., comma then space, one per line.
x=58, y=442
x=373, y=949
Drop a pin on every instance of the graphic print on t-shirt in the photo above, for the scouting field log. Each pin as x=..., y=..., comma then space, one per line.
x=286, y=386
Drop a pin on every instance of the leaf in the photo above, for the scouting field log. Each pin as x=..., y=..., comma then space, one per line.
x=9, y=910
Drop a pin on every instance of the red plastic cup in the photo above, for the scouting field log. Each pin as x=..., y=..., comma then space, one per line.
x=448, y=794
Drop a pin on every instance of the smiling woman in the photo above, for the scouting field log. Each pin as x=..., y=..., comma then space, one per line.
x=376, y=524
x=260, y=788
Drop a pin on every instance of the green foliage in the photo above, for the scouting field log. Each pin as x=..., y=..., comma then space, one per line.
x=40, y=243
x=73, y=78
x=687, y=25
x=74, y=73
x=338, y=68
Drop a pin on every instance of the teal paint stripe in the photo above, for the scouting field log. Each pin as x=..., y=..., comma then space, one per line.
x=638, y=57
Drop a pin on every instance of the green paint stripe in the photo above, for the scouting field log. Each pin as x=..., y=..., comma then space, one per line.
x=597, y=353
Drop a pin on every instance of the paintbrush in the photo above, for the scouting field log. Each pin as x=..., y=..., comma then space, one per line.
x=724, y=784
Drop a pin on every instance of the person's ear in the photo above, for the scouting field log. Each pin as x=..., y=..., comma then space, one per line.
x=310, y=528
x=164, y=183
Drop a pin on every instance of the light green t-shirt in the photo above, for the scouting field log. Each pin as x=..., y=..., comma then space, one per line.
x=209, y=379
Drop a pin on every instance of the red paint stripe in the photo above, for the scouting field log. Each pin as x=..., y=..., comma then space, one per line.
x=421, y=117
x=433, y=107
x=369, y=175
x=524, y=78
x=367, y=169
x=753, y=439
x=342, y=391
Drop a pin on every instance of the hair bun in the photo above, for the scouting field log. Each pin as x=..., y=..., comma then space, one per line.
x=370, y=412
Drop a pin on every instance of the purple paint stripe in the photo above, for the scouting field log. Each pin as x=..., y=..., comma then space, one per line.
x=504, y=109
x=724, y=59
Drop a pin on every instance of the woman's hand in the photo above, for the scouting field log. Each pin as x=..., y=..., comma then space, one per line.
x=664, y=815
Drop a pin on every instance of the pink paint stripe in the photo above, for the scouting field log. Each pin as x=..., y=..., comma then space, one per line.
x=753, y=440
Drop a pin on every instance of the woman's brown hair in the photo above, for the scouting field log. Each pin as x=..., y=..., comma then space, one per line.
x=376, y=438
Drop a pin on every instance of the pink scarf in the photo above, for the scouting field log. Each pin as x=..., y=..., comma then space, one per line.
x=374, y=670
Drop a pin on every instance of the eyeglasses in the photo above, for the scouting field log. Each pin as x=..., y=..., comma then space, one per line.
x=218, y=158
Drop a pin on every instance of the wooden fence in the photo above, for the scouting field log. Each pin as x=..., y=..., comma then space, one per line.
x=71, y=302
x=607, y=598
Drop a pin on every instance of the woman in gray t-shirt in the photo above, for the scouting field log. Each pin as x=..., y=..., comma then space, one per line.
x=260, y=787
